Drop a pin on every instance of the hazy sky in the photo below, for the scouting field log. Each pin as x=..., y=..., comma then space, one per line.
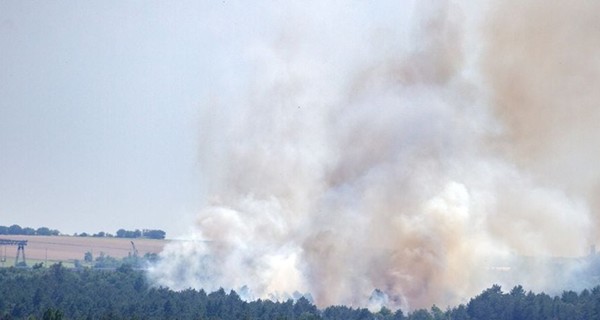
x=99, y=110
x=102, y=103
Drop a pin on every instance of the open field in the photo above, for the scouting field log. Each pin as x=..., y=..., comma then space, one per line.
x=67, y=248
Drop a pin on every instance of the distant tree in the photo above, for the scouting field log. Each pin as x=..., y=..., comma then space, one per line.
x=437, y=313
x=101, y=257
x=15, y=229
x=421, y=314
x=154, y=234
x=150, y=257
x=385, y=312
x=3, y=230
x=106, y=261
x=344, y=312
x=43, y=231
x=302, y=305
x=490, y=304
x=569, y=297
x=122, y=233
x=125, y=267
x=459, y=313
x=517, y=292
x=84, y=234
x=398, y=315
x=52, y=314
x=88, y=257
x=28, y=231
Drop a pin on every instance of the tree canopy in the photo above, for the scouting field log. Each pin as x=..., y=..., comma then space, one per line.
x=60, y=293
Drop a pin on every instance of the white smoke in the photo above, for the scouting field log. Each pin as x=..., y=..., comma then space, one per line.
x=365, y=157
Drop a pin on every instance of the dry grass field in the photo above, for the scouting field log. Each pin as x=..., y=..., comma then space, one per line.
x=53, y=249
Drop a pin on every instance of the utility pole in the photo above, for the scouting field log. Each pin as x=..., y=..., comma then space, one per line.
x=3, y=257
x=135, y=251
x=20, y=250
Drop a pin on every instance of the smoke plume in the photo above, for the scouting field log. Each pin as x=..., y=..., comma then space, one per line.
x=403, y=163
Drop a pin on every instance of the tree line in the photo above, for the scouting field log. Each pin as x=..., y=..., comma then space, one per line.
x=131, y=234
x=104, y=261
x=16, y=229
x=146, y=233
x=60, y=293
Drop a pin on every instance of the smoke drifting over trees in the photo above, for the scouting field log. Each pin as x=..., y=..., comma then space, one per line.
x=403, y=155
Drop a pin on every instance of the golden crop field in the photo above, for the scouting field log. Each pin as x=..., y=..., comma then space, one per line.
x=53, y=249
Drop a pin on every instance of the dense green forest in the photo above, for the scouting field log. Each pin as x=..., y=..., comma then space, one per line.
x=60, y=293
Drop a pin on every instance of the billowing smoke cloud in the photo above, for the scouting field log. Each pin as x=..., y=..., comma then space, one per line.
x=542, y=65
x=371, y=164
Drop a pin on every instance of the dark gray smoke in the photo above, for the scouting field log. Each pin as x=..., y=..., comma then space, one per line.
x=415, y=157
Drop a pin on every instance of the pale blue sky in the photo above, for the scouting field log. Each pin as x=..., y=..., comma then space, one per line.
x=101, y=105
x=99, y=108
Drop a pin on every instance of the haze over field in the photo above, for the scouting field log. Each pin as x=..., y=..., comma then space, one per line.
x=405, y=152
